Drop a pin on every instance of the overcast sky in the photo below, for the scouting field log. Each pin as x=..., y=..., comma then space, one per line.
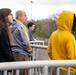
x=40, y=8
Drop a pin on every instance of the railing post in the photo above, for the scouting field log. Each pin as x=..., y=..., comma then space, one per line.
x=5, y=72
x=17, y=72
x=39, y=71
x=51, y=71
x=34, y=56
x=44, y=70
x=43, y=43
x=68, y=72
x=57, y=71
x=30, y=71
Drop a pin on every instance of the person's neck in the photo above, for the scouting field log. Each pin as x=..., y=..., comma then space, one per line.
x=17, y=20
x=30, y=29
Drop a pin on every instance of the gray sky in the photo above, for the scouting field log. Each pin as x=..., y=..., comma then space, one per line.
x=40, y=8
x=45, y=2
x=54, y=2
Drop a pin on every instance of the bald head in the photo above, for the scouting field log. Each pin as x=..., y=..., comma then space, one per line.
x=21, y=16
x=19, y=13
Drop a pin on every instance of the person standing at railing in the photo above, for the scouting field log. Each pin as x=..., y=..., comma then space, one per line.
x=31, y=28
x=6, y=18
x=61, y=44
x=21, y=45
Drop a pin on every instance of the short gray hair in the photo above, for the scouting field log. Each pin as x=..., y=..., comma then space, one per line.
x=18, y=13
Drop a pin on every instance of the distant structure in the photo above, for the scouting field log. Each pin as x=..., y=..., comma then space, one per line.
x=31, y=8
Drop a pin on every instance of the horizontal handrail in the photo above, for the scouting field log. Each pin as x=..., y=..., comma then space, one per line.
x=38, y=46
x=37, y=41
x=33, y=64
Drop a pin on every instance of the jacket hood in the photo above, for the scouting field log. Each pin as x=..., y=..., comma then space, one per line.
x=13, y=26
x=65, y=21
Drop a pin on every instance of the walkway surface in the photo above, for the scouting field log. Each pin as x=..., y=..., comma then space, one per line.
x=41, y=54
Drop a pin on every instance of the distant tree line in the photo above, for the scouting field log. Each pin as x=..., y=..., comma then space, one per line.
x=44, y=27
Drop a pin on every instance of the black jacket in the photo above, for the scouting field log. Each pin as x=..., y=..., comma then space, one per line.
x=5, y=47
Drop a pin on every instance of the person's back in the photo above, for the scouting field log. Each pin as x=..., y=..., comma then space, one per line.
x=59, y=41
x=61, y=45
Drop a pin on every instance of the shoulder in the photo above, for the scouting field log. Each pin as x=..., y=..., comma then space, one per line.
x=2, y=31
x=2, y=28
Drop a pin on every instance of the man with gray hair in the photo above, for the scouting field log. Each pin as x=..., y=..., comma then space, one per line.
x=20, y=46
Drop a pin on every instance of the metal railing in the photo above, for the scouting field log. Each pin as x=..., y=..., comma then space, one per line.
x=38, y=42
x=38, y=64
x=36, y=48
x=43, y=65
